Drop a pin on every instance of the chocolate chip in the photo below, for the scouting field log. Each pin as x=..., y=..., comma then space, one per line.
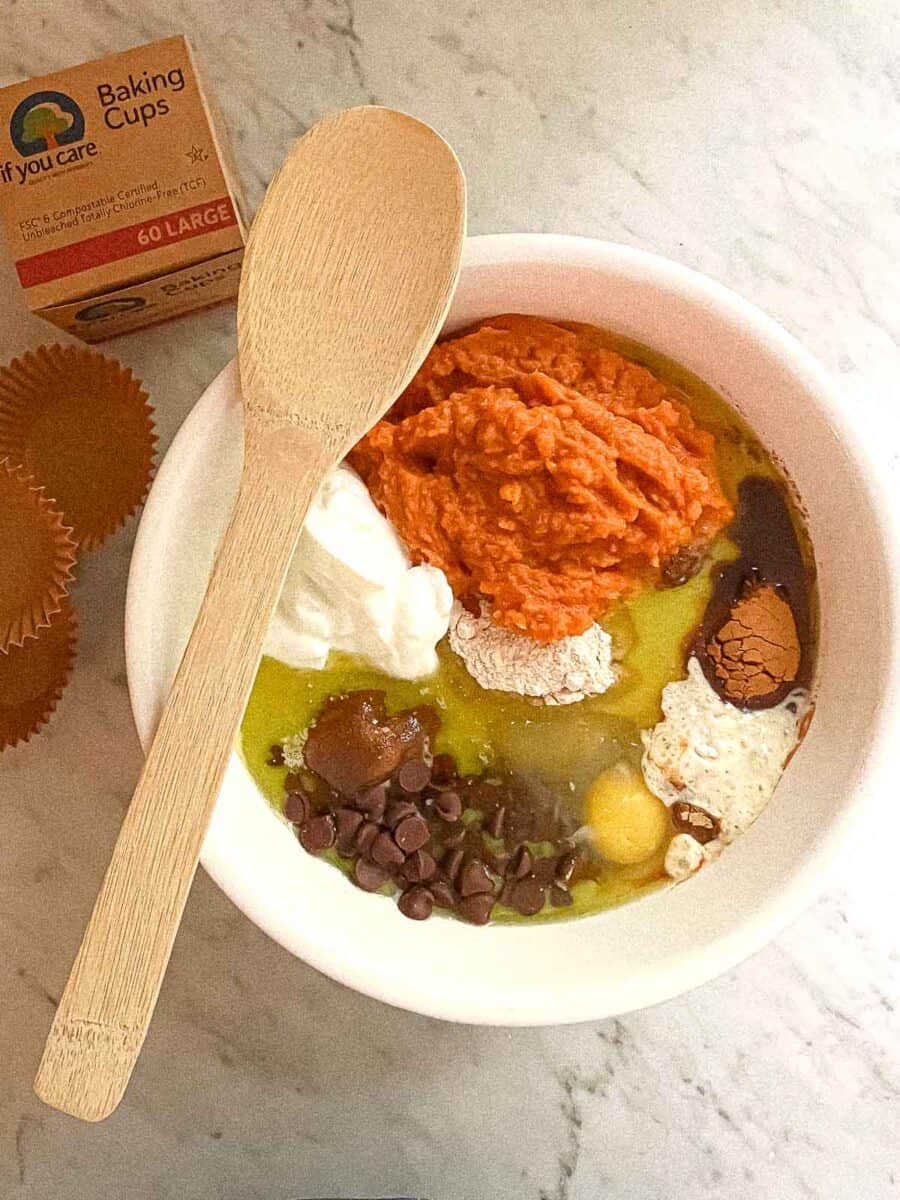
x=455, y=838
x=443, y=893
x=373, y=801
x=520, y=865
x=399, y=810
x=678, y=568
x=448, y=806
x=296, y=808
x=443, y=769
x=416, y=903
x=452, y=862
x=476, y=909
x=497, y=861
x=318, y=833
x=475, y=879
x=348, y=821
x=565, y=866
x=527, y=897
x=368, y=875
x=365, y=836
x=690, y=818
x=544, y=869
x=419, y=867
x=276, y=756
x=496, y=821
x=560, y=897
x=386, y=852
x=412, y=833
x=295, y=783
x=414, y=775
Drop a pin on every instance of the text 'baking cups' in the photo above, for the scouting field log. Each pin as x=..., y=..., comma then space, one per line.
x=33, y=676
x=81, y=425
x=37, y=554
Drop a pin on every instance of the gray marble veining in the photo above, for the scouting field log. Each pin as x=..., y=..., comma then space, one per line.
x=755, y=141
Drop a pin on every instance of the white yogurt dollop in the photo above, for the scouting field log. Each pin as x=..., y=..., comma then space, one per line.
x=350, y=587
x=725, y=760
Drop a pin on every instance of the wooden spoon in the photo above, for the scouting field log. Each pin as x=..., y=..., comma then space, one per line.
x=348, y=274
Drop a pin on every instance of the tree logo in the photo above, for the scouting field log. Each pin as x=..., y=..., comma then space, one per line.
x=110, y=308
x=45, y=120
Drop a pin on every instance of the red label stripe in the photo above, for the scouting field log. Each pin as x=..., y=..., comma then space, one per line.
x=125, y=243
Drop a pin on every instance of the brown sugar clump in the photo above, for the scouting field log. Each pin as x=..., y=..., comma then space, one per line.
x=354, y=744
x=757, y=651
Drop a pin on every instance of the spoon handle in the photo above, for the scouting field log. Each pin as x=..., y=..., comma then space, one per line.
x=108, y=1002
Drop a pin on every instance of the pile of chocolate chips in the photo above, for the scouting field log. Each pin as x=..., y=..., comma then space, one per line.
x=373, y=790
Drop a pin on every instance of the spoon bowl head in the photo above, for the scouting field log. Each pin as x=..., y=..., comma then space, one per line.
x=349, y=271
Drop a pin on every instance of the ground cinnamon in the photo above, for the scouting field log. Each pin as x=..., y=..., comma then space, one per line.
x=757, y=635
x=757, y=651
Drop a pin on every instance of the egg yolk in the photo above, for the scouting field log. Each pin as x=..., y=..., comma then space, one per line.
x=627, y=821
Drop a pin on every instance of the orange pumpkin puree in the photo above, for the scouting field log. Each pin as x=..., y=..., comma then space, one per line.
x=542, y=473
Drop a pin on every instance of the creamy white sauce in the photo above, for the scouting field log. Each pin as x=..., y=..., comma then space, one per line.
x=350, y=587
x=560, y=672
x=683, y=857
x=725, y=760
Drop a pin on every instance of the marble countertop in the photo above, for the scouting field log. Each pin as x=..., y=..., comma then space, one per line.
x=756, y=141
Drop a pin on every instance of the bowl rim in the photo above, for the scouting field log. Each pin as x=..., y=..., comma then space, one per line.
x=758, y=925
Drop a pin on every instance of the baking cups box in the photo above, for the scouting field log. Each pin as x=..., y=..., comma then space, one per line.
x=117, y=192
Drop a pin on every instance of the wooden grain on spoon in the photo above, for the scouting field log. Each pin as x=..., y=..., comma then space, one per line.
x=348, y=274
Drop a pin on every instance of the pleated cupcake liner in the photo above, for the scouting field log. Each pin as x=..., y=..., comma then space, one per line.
x=37, y=557
x=33, y=677
x=81, y=424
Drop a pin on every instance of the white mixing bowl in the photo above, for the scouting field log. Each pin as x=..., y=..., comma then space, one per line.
x=667, y=942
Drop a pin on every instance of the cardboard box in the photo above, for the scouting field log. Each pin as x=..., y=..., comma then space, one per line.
x=118, y=194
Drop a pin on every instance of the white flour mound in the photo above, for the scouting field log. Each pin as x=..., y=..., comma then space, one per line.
x=502, y=660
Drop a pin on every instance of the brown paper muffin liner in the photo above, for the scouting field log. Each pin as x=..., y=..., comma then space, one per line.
x=33, y=676
x=80, y=423
x=37, y=554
